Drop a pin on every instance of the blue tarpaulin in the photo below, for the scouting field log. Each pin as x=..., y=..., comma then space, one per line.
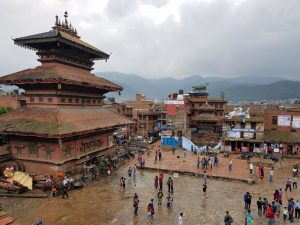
x=169, y=142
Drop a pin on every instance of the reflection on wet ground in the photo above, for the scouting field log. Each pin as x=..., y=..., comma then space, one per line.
x=102, y=203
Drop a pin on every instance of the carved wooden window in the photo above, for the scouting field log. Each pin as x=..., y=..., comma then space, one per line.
x=48, y=153
x=33, y=151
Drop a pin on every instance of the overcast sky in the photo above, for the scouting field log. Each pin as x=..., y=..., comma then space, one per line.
x=160, y=38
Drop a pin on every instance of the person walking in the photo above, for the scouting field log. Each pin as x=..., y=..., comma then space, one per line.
x=291, y=210
x=285, y=213
x=136, y=204
x=230, y=165
x=271, y=175
x=160, y=196
x=249, y=218
x=129, y=171
x=160, y=179
x=156, y=182
x=169, y=201
x=288, y=184
x=198, y=162
x=159, y=155
x=262, y=173
x=228, y=219
x=251, y=168
x=270, y=215
x=204, y=178
x=180, y=219
x=54, y=191
x=295, y=182
x=297, y=210
x=124, y=184
x=134, y=170
x=248, y=201
x=204, y=188
x=259, y=204
x=265, y=206
x=150, y=211
x=121, y=184
x=65, y=191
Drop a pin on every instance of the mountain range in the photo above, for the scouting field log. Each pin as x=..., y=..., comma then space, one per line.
x=248, y=88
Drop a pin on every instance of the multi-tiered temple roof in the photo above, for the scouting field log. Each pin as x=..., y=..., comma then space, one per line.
x=63, y=97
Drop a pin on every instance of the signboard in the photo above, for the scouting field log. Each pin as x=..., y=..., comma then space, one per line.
x=242, y=130
x=284, y=120
x=166, y=133
x=174, y=102
x=248, y=135
x=296, y=122
x=234, y=134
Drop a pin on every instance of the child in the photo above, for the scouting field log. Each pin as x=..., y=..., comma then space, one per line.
x=285, y=213
x=54, y=191
x=204, y=187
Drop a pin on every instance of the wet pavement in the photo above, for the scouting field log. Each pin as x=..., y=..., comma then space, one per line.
x=102, y=203
x=187, y=164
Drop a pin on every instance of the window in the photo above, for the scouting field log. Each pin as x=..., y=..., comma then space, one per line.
x=253, y=125
x=19, y=150
x=70, y=100
x=41, y=99
x=49, y=99
x=62, y=100
x=31, y=99
x=274, y=120
x=88, y=101
x=99, y=101
x=33, y=151
x=77, y=100
x=94, y=101
x=48, y=152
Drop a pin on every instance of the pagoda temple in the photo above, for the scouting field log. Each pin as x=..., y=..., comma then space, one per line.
x=62, y=123
x=205, y=116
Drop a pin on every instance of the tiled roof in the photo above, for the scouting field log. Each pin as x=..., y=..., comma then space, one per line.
x=206, y=106
x=281, y=136
x=61, y=121
x=194, y=99
x=59, y=73
x=58, y=35
x=206, y=117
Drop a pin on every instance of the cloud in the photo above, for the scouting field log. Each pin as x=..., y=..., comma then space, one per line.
x=167, y=38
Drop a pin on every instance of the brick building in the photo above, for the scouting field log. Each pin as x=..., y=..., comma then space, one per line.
x=204, y=116
x=282, y=127
x=148, y=115
x=63, y=124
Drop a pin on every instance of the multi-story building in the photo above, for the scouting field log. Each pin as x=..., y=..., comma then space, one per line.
x=243, y=128
x=149, y=116
x=204, y=116
x=63, y=124
x=282, y=127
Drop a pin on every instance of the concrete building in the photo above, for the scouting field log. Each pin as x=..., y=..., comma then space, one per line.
x=243, y=128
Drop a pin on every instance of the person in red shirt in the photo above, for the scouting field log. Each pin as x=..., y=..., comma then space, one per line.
x=270, y=215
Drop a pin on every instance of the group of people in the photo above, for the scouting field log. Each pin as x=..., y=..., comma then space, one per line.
x=208, y=163
x=158, y=154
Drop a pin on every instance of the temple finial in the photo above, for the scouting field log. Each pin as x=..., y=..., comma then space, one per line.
x=66, y=20
x=56, y=20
